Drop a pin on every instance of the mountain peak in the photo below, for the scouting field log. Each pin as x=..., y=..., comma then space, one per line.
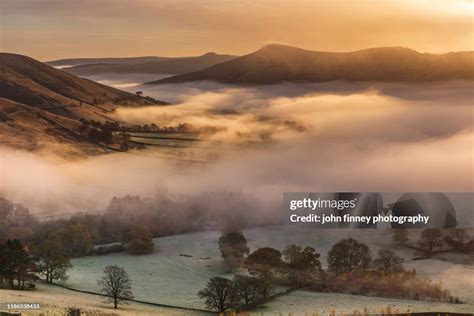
x=276, y=47
x=209, y=54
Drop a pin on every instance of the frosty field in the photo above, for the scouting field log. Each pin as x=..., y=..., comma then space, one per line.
x=181, y=266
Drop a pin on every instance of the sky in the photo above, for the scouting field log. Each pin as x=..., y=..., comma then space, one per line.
x=53, y=29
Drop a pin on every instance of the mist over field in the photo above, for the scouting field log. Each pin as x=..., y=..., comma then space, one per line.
x=271, y=139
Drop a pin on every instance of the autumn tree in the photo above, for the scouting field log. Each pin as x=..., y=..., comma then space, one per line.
x=219, y=294
x=431, y=238
x=388, y=262
x=54, y=263
x=116, y=284
x=233, y=248
x=265, y=263
x=75, y=239
x=303, y=265
x=348, y=255
x=140, y=241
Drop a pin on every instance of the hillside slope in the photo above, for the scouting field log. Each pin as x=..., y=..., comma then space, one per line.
x=168, y=66
x=42, y=107
x=278, y=63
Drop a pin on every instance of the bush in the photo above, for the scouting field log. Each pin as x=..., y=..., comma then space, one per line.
x=401, y=285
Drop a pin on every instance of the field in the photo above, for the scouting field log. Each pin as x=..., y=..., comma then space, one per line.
x=181, y=266
x=165, y=139
x=55, y=300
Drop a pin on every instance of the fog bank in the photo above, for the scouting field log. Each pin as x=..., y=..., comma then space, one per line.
x=268, y=140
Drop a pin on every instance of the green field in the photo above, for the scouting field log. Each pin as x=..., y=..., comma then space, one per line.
x=165, y=139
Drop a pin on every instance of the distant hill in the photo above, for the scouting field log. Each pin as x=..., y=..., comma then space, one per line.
x=70, y=62
x=43, y=106
x=165, y=66
x=279, y=63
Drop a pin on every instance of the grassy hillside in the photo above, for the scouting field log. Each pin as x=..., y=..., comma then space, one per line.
x=41, y=107
x=278, y=63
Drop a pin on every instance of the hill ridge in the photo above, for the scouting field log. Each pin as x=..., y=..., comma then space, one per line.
x=276, y=63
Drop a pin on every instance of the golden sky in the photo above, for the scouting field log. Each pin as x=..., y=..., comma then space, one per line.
x=52, y=29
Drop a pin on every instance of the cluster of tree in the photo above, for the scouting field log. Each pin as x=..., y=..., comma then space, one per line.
x=399, y=285
x=94, y=128
x=222, y=294
x=299, y=266
x=431, y=239
x=165, y=215
x=351, y=269
x=154, y=128
x=113, y=133
x=53, y=254
x=152, y=100
x=15, y=220
x=459, y=240
x=149, y=100
x=16, y=264
x=53, y=261
x=56, y=247
x=98, y=131
x=128, y=222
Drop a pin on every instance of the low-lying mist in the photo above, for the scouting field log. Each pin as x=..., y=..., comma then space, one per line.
x=269, y=140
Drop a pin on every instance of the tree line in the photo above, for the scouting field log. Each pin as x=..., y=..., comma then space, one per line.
x=351, y=268
x=432, y=240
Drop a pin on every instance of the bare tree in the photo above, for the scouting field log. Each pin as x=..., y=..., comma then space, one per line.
x=247, y=287
x=116, y=284
x=220, y=294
